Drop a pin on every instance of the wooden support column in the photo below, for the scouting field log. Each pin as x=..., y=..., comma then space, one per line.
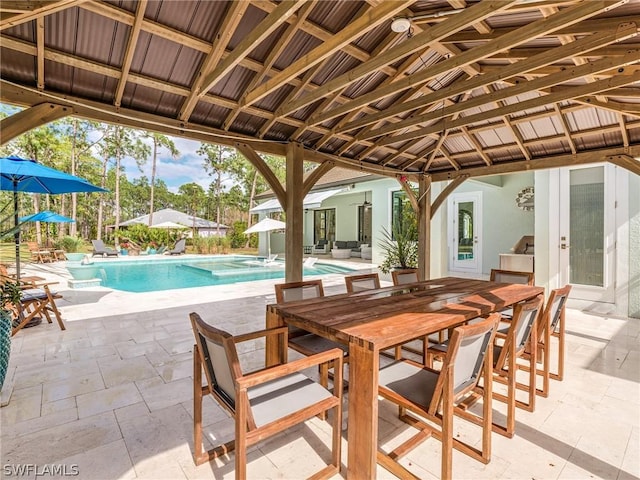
x=294, y=213
x=424, y=228
x=30, y=118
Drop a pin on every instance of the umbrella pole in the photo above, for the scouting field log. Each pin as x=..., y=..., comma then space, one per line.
x=16, y=235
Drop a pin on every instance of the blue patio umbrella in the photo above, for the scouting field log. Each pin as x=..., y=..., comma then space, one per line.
x=47, y=216
x=24, y=175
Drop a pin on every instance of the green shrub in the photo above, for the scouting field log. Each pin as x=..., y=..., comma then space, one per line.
x=69, y=244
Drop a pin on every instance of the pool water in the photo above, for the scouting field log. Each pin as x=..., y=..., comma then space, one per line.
x=167, y=274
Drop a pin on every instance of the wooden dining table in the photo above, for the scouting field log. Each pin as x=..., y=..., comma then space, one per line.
x=374, y=320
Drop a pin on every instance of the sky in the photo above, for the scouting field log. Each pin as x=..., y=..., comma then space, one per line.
x=187, y=168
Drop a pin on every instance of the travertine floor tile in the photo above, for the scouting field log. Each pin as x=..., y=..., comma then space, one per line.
x=107, y=399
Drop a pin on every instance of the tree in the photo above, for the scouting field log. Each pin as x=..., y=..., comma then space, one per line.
x=118, y=143
x=218, y=161
x=159, y=141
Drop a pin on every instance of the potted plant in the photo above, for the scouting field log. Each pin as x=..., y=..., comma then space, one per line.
x=401, y=248
x=11, y=295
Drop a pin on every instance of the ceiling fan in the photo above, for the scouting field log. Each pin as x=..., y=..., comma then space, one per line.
x=366, y=204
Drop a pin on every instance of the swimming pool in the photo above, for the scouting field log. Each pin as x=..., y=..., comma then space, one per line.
x=169, y=273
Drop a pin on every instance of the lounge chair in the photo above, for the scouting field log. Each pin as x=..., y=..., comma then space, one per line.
x=36, y=300
x=39, y=254
x=309, y=262
x=271, y=258
x=99, y=248
x=161, y=250
x=178, y=249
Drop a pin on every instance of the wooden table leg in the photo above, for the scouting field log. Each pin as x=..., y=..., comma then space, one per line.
x=363, y=412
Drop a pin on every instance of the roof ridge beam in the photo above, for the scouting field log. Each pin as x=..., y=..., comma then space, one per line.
x=515, y=37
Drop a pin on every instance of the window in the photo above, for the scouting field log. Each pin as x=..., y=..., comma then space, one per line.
x=324, y=225
x=402, y=214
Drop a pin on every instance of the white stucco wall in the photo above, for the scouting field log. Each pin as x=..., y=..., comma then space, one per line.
x=634, y=246
x=503, y=223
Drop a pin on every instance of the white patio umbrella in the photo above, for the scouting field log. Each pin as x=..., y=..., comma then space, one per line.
x=169, y=226
x=266, y=225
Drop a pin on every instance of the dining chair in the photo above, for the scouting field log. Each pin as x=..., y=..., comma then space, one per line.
x=552, y=324
x=301, y=340
x=264, y=402
x=404, y=276
x=511, y=276
x=416, y=347
x=365, y=281
x=422, y=392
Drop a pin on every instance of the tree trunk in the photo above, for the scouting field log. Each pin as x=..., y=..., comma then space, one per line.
x=153, y=178
x=103, y=184
x=117, y=200
x=254, y=185
x=73, y=230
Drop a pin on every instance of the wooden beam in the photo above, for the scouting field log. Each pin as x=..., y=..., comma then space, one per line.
x=625, y=161
x=294, y=213
x=264, y=169
x=596, y=40
x=623, y=130
x=282, y=44
x=509, y=40
x=404, y=184
x=30, y=118
x=129, y=52
x=352, y=31
x=565, y=128
x=112, y=72
x=581, y=28
x=315, y=175
x=520, y=88
x=45, y=8
x=573, y=92
x=267, y=26
x=424, y=228
x=446, y=191
x=585, y=158
x=40, y=50
x=409, y=46
x=235, y=11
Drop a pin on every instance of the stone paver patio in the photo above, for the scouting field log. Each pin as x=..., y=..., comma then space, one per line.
x=112, y=395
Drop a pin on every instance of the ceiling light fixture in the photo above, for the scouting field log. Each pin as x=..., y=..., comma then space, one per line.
x=401, y=24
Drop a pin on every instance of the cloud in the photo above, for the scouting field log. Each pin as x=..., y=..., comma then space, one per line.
x=187, y=168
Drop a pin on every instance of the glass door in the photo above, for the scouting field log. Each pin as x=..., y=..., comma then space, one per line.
x=587, y=235
x=465, y=220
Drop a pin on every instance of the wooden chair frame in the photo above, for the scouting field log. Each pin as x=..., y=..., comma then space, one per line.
x=297, y=334
x=397, y=276
x=552, y=324
x=246, y=431
x=351, y=281
x=39, y=254
x=445, y=403
x=38, y=300
x=506, y=365
x=513, y=276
